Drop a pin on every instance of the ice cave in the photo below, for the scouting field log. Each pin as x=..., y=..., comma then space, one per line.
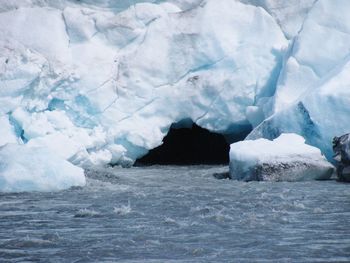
x=187, y=146
x=186, y=143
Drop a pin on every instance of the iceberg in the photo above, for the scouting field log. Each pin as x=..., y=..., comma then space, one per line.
x=24, y=168
x=286, y=158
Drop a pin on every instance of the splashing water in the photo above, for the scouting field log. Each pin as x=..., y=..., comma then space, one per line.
x=177, y=214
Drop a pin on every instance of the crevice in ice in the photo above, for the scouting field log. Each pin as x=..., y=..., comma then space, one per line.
x=110, y=105
x=17, y=128
x=145, y=34
x=113, y=77
x=200, y=4
x=66, y=28
x=271, y=84
x=190, y=71
x=335, y=28
x=311, y=67
x=306, y=17
x=210, y=106
x=337, y=68
x=137, y=110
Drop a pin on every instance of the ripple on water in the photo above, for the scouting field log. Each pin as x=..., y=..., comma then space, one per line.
x=177, y=214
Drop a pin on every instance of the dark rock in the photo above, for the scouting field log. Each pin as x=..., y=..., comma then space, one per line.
x=223, y=175
x=341, y=148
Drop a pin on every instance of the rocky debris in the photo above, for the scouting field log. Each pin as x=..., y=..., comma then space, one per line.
x=341, y=148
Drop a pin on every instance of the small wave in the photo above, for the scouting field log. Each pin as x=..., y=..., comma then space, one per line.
x=170, y=221
x=123, y=210
x=85, y=212
x=299, y=205
x=201, y=211
x=318, y=210
x=27, y=242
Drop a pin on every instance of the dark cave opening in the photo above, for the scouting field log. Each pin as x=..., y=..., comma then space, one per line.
x=190, y=146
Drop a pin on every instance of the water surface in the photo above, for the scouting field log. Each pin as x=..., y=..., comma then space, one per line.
x=177, y=214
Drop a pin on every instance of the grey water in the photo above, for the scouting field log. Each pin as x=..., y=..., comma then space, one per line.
x=177, y=214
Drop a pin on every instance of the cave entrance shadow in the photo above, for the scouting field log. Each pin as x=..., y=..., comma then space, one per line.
x=192, y=145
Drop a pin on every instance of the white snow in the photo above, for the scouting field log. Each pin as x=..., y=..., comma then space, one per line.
x=24, y=168
x=287, y=158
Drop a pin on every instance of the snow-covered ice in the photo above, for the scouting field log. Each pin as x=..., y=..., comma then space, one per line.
x=102, y=82
x=286, y=158
x=24, y=168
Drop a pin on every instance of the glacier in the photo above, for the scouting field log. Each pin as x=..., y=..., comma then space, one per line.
x=101, y=82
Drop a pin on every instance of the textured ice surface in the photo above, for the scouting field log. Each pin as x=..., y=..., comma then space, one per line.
x=290, y=15
x=24, y=168
x=312, y=96
x=101, y=81
x=318, y=52
x=319, y=115
x=287, y=158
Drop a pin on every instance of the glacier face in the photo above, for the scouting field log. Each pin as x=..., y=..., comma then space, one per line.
x=102, y=81
x=98, y=85
x=312, y=96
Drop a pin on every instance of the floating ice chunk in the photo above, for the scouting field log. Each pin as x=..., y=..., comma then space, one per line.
x=286, y=158
x=24, y=168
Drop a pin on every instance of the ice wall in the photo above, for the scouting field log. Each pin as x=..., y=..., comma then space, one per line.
x=101, y=82
x=98, y=85
x=312, y=96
